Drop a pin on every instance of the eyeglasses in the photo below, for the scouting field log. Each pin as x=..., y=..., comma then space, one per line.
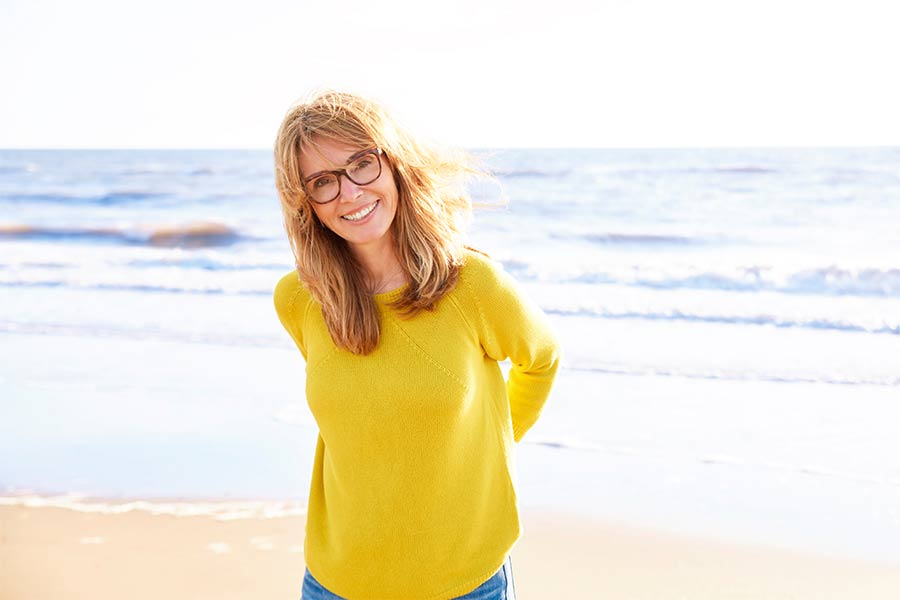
x=362, y=169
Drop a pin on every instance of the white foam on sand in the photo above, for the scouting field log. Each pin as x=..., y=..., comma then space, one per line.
x=91, y=540
x=220, y=511
x=262, y=543
x=219, y=548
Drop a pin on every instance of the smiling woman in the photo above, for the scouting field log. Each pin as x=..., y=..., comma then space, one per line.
x=345, y=255
x=402, y=327
x=361, y=209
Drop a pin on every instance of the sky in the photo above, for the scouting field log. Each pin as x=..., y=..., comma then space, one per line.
x=488, y=73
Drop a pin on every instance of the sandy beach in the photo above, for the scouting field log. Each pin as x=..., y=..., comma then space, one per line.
x=51, y=553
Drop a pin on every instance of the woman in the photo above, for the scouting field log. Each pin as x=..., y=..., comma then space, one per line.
x=402, y=327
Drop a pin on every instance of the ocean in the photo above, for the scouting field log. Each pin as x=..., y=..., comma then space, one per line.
x=730, y=320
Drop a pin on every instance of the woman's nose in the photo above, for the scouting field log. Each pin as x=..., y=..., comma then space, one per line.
x=349, y=190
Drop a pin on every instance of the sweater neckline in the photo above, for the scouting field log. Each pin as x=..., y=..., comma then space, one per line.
x=388, y=297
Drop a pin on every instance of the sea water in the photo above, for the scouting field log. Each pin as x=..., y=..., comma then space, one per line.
x=730, y=322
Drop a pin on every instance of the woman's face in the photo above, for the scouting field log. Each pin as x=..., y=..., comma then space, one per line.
x=361, y=214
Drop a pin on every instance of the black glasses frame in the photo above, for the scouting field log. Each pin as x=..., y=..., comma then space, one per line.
x=378, y=152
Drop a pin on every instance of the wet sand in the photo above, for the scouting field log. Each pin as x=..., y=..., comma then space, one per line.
x=53, y=553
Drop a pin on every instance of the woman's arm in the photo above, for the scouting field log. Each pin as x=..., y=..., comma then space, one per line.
x=514, y=327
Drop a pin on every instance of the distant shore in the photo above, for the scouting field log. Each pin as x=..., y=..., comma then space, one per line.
x=50, y=553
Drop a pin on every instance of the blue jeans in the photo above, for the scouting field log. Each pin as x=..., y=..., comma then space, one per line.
x=499, y=587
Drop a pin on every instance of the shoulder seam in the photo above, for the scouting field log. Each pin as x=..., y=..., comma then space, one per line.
x=293, y=300
x=480, y=327
x=459, y=309
x=291, y=305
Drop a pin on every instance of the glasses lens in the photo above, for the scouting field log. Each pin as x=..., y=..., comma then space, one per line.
x=364, y=169
x=323, y=189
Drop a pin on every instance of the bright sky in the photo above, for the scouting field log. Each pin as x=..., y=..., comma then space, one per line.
x=477, y=73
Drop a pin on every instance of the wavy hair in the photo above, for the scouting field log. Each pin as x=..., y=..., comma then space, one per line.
x=428, y=228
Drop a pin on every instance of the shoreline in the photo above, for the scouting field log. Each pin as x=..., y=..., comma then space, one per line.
x=52, y=552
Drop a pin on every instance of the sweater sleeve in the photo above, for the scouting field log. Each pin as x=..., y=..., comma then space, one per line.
x=514, y=327
x=290, y=307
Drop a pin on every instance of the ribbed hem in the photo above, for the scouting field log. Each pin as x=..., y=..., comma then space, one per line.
x=455, y=592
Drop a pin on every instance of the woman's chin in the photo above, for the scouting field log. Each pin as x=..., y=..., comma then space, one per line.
x=369, y=237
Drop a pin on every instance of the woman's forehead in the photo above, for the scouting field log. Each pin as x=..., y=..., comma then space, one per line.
x=326, y=154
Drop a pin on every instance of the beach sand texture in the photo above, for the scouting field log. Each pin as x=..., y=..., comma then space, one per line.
x=52, y=553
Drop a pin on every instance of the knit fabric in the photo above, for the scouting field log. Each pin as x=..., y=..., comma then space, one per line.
x=413, y=486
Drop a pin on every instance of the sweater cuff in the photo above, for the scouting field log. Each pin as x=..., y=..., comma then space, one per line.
x=518, y=433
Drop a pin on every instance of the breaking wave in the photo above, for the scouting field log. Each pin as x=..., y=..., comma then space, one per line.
x=190, y=235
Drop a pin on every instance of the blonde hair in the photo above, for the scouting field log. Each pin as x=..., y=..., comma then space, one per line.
x=428, y=228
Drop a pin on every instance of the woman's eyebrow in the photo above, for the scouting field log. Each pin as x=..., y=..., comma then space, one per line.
x=356, y=155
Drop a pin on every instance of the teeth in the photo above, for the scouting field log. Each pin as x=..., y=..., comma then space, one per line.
x=360, y=213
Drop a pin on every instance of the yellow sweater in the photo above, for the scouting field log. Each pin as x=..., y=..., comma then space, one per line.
x=413, y=485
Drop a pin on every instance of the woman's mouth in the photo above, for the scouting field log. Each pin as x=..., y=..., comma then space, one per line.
x=361, y=213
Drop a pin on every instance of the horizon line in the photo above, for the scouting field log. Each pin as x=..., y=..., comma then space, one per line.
x=471, y=148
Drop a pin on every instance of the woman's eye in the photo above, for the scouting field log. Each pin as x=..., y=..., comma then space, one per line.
x=362, y=164
x=321, y=182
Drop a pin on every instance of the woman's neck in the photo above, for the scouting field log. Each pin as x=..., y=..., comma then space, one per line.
x=381, y=266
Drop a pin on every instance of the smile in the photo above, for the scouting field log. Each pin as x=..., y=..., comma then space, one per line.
x=361, y=213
